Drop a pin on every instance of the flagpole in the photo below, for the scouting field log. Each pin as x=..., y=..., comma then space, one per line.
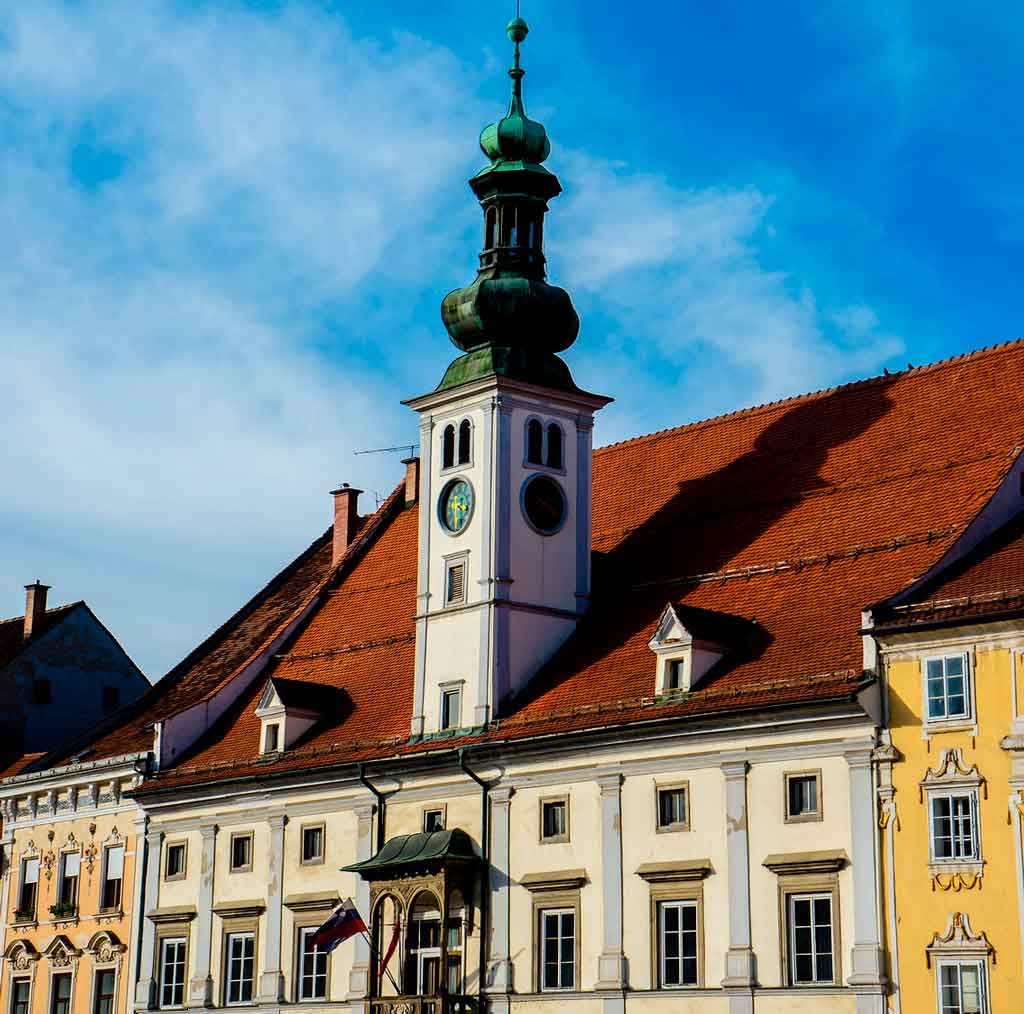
x=373, y=961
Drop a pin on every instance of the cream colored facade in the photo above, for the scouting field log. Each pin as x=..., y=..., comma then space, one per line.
x=611, y=870
x=68, y=940
x=966, y=913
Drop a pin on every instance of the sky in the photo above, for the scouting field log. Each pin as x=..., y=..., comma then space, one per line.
x=226, y=228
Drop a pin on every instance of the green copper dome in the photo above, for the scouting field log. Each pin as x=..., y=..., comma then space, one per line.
x=509, y=320
x=515, y=137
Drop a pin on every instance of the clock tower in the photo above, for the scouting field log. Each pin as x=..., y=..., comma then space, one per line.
x=505, y=447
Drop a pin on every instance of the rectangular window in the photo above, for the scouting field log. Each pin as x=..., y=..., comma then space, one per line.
x=241, y=853
x=20, y=992
x=172, y=972
x=29, y=887
x=962, y=988
x=453, y=948
x=313, y=844
x=810, y=939
x=674, y=668
x=558, y=949
x=103, y=1002
x=433, y=820
x=947, y=684
x=455, y=583
x=174, y=868
x=451, y=708
x=271, y=738
x=677, y=943
x=60, y=995
x=241, y=955
x=803, y=796
x=954, y=827
x=672, y=808
x=312, y=967
x=70, y=864
x=554, y=820
x=113, y=874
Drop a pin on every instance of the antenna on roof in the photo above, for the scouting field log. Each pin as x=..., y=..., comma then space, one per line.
x=386, y=450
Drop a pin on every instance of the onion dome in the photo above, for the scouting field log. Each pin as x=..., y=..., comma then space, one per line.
x=510, y=319
x=515, y=137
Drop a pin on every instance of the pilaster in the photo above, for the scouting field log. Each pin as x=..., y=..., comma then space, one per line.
x=359, y=974
x=740, y=961
x=499, y=968
x=584, y=482
x=422, y=571
x=200, y=989
x=867, y=975
x=484, y=700
x=611, y=964
x=272, y=979
x=145, y=986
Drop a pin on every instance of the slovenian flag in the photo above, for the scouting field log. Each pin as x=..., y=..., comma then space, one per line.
x=342, y=923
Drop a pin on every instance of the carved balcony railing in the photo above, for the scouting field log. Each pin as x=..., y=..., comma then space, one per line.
x=449, y=1004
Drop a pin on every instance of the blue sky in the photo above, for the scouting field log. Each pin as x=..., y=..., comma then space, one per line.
x=226, y=229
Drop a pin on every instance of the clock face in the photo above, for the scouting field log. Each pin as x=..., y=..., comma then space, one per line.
x=544, y=504
x=456, y=505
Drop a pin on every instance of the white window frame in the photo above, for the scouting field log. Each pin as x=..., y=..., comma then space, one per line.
x=305, y=933
x=239, y=836
x=981, y=967
x=15, y=980
x=95, y=1000
x=230, y=979
x=317, y=859
x=104, y=879
x=561, y=913
x=947, y=721
x=70, y=977
x=561, y=836
x=456, y=687
x=179, y=965
x=167, y=860
x=812, y=897
x=684, y=824
x=804, y=816
x=662, y=956
x=22, y=883
x=972, y=796
x=450, y=563
x=62, y=876
x=442, y=809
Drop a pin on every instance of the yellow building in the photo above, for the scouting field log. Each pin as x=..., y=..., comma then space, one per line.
x=951, y=777
x=69, y=844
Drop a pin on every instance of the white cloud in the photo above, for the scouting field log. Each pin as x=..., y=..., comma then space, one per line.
x=198, y=335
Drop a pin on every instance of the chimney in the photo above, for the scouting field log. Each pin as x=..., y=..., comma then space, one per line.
x=412, y=480
x=35, y=606
x=346, y=503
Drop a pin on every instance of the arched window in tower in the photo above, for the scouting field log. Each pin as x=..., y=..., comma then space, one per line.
x=465, y=441
x=448, y=447
x=554, y=445
x=535, y=442
x=490, y=227
x=508, y=222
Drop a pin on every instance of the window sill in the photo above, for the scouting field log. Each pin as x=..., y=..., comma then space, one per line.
x=803, y=818
x=936, y=726
x=671, y=829
x=971, y=867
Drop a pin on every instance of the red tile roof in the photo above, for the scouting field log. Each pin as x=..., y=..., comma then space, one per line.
x=12, y=766
x=987, y=583
x=794, y=516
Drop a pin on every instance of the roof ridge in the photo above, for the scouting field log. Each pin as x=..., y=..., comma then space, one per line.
x=752, y=410
x=64, y=607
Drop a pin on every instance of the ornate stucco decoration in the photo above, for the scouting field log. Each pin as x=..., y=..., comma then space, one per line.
x=61, y=952
x=106, y=948
x=959, y=940
x=952, y=772
x=21, y=956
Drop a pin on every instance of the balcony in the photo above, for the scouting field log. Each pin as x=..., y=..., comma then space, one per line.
x=448, y=1004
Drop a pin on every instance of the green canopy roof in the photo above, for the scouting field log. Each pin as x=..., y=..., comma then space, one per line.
x=407, y=851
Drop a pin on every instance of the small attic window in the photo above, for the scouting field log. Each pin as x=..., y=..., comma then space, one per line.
x=272, y=738
x=675, y=670
x=686, y=644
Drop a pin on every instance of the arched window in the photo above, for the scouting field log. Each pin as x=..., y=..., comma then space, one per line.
x=490, y=227
x=508, y=222
x=448, y=447
x=554, y=445
x=465, y=441
x=534, y=442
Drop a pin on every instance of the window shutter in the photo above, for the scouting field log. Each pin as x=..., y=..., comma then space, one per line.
x=115, y=862
x=456, y=582
x=31, y=871
x=72, y=863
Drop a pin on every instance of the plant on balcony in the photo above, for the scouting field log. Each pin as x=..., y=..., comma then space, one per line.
x=24, y=915
x=63, y=909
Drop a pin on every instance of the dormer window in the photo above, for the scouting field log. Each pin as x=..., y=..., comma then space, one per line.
x=687, y=643
x=287, y=709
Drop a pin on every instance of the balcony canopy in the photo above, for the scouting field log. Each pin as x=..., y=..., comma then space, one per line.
x=422, y=852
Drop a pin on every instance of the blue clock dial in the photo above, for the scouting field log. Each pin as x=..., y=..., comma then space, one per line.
x=456, y=505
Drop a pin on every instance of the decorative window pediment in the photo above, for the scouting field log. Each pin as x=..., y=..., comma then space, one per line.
x=952, y=772
x=684, y=651
x=959, y=941
x=61, y=952
x=951, y=791
x=105, y=947
x=21, y=955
